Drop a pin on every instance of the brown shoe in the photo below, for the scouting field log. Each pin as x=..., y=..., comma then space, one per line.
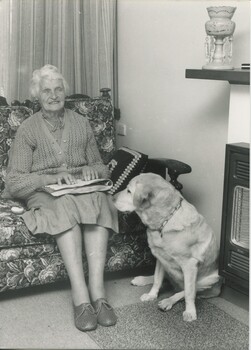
x=105, y=314
x=85, y=317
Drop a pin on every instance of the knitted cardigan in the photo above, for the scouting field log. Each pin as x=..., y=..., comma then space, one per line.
x=35, y=152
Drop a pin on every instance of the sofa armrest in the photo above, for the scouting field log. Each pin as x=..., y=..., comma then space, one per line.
x=173, y=167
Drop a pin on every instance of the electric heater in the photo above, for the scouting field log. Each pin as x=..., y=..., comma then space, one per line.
x=234, y=249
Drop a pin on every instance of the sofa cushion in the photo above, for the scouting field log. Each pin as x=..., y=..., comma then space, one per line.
x=124, y=165
x=13, y=231
x=99, y=111
x=10, y=119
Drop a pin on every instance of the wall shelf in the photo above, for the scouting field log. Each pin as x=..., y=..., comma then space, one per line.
x=235, y=76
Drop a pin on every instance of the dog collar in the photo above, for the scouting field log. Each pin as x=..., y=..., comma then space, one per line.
x=170, y=216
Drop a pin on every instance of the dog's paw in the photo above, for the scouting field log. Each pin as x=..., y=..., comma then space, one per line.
x=142, y=281
x=138, y=281
x=189, y=316
x=148, y=297
x=165, y=304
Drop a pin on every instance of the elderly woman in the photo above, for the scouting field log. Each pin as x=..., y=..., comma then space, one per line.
x=56, y=145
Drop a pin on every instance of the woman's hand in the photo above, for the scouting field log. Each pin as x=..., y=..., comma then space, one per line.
x=88, y=173
x=60, y=179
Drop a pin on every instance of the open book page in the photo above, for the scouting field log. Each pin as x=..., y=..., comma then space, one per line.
x=79, y=187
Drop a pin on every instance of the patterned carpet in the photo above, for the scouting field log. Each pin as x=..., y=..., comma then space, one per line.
x=144, y=326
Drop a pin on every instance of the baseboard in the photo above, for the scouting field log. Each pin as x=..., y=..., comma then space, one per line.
x=235, y=297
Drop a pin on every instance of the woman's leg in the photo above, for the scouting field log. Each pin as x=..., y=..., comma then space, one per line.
x=70, y=247
x=95, y=239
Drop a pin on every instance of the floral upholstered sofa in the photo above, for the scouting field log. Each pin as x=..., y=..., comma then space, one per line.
x=27, y=260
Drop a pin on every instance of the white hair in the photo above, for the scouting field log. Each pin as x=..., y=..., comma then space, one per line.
x=47, y=71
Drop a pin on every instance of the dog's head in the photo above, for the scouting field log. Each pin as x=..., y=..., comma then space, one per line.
x=147, y=192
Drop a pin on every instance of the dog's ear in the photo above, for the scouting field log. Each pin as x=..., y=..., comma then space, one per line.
x=142, y=196
x=166, y=196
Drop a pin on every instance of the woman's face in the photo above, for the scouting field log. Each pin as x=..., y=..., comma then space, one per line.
x=52, y=95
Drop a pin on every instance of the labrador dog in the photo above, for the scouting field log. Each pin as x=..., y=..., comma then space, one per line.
x=179, y=237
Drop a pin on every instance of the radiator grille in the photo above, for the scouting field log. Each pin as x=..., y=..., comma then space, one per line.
x=239, y=262
x=240, y=217
x=242, y=170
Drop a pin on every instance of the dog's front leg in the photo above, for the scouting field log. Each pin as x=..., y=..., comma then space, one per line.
x=157, y=283
x=190, y=270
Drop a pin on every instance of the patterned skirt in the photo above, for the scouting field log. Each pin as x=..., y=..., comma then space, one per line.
x=54, y=215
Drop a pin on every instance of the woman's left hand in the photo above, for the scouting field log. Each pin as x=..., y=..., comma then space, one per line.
x=88, y=173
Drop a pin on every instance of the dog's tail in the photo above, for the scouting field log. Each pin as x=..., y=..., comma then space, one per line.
x=208, y=281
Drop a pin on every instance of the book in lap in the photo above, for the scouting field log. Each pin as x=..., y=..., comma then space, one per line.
x=79, y=187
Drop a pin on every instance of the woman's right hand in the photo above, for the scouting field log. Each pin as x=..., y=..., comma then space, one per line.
x=60, y=178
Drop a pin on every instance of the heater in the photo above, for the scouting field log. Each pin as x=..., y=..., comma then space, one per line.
x=234, y=249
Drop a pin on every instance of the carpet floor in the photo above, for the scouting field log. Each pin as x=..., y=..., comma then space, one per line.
x=144, y=326
x=42, y=318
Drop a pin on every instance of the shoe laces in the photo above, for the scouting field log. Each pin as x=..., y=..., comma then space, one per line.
x=102, y=302
x=84, y=307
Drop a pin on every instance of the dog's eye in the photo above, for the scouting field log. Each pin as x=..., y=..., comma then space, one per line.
x=128, y=191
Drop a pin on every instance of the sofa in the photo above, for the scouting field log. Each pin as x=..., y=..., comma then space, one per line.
x=27, y=260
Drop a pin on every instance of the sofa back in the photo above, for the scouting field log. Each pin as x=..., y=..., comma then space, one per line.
x=98, y=110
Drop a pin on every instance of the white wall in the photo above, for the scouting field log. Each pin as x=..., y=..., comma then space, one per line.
x=239, y=114
x=166, y=114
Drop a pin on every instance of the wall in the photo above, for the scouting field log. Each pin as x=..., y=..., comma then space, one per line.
x=239, y=118
x=166, y=114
